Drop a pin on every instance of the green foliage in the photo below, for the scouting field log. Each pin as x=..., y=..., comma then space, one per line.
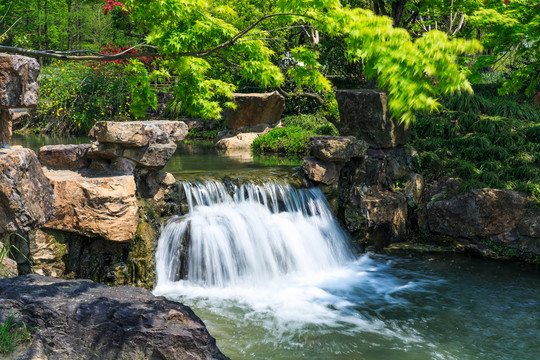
x=295, y=134
x=74, y=96
x=511, y=33
x=12, y=334
x=288, y=140
x=195, y=36
x=313, y=123
x=484, y=148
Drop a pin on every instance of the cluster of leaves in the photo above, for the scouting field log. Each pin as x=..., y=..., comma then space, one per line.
x=294, y=136
x=192, y=35
x=74, y=96
x=487, y=142
x=512, y=33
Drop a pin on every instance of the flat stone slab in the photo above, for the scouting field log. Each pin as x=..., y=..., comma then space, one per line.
x=91, y=205
x=337, y=148
x=80, y=319
x=72, y=157
x=138, y=133
x=26, y=197
x=18, y=81
x=153, y=156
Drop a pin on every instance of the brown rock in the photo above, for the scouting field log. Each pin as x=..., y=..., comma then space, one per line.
x=253, y=109
x=123, y=165
x=26, y=197
x=364, y=114
x=379, y=218
x=46, y=253
x=337, y=148
x=94, y=206
x=399, y=162
x=71, y=157
x=477, y=213
x=138, y=133
x=237, y=142
x=5, y=127
x=18, y=81
x=159, y=184
x=325, y=172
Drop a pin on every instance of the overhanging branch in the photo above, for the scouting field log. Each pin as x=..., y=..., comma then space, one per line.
x=96, y=56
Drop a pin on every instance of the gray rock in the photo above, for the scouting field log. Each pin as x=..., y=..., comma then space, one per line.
x=71, y=157
x=26, y=197
x=152, y=156
x=80, y=319
x=337, y=148
x=476, y=213
x=18, y=81
x=364, y=114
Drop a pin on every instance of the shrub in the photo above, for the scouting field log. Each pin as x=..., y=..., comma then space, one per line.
x=74, y=96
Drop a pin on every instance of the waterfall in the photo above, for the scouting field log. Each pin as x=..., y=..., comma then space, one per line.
x=249, y=235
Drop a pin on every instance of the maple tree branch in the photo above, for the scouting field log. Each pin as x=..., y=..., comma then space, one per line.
x=96, y=56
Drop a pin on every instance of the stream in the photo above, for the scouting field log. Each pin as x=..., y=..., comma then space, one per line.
x=272, y=275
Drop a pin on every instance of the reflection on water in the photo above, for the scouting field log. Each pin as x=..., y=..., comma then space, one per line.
x=190, y=156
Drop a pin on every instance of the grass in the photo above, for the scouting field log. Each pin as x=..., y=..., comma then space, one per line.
x=485, y=140
x=294, y=136
x=12, y=334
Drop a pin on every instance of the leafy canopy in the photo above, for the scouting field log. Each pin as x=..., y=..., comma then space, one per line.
x=191, y=34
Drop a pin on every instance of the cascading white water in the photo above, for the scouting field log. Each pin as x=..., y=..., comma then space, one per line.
x=260, y=233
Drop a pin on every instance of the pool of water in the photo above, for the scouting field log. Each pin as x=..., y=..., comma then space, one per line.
x=379, y=307
x=191, y=158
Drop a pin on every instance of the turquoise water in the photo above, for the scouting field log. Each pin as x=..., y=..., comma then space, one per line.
x=373, y=307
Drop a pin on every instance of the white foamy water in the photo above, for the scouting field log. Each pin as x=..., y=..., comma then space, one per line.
x=276, y=252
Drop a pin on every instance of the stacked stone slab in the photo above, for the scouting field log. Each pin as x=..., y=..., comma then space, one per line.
x=255, y=114
x=18, y=89
x=142, y=144
x=26, y=197
x=363, y=167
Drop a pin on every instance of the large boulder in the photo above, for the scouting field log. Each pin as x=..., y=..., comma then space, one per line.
x=364, y=114
x=18, y=81
x=477, y=213
x=138, y=133
x=255, y=109
x=72, y=157
x=26, y=197
x=103, y=206
x=337, y=148
x=80, y=319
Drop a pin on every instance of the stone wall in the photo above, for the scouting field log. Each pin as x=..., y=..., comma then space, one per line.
x=379, y=198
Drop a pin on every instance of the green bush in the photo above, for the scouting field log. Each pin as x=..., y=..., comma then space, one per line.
x=491, y=143
x=74, y=96
x=295, y=134
x=288, y=140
